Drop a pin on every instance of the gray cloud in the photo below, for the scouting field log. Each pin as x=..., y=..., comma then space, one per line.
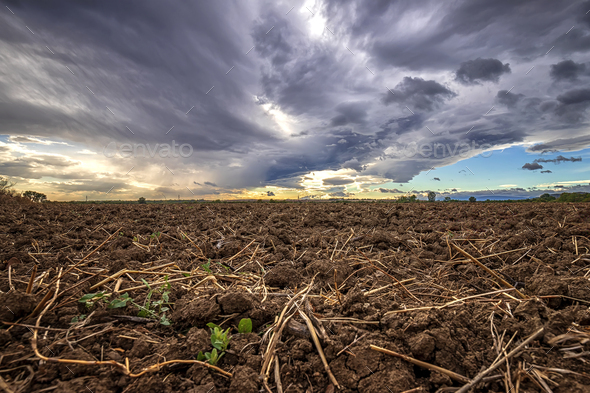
x=436, y=178
x=573, y=105
x=270, y=193
x=350, y=112
x=532, y=166
x=576, y=96
x=340, y=194
x=559, y=159
x=353, y=164
x=337, y=181
x=473, y=72
x=419, y=93
x=208, y=183
x=567, y=70
x=507, y=98
x=391, y=190
x=546, y=171
x=564, y=144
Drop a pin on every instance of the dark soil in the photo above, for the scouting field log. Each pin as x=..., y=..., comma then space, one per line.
x=231, y=261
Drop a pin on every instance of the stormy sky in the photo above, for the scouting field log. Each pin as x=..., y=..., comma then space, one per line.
x=259, y=99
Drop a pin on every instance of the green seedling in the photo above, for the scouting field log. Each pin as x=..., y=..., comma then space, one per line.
x=245, y=326
x=90, y=298
x=121, y=301
x=212, y=357
x=223, y=266
x=219, y=337
x=155, y=309
x=155, y=234
x=207, y=266
x=78, y=318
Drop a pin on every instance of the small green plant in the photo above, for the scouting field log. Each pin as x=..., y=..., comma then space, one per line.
x=155, y=234
x=150, y=309
x=78, y=318
x=212, y=357
x=90, y=298
x=219, y=337
x=121, y=301
x=155, y=309
x=224, y=267
x=245, y=325
x=220, y=340
x=207, y=266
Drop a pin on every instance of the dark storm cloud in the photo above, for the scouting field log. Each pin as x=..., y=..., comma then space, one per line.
x=350, y=112
x=575, y=96
x=340, y=194
x=507, y=98
x=37, y=166
x=152, y=62
x=337, y=181
x=390, y=190
x=565, y=144
x=401, y=125
x=567, y=70
x=270, y=193
x=307, y=79
x=573, y=105
x=559, y=159
x=276, y=46
x=153, y=73
x=483, y=29
x=473, y=72
x=354, y=164
x=532, y=167
x=419, y=93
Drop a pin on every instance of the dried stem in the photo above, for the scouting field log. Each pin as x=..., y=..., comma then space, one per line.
x=449, y=373
x=316, y=341
x=494, y=366
x=490, y=271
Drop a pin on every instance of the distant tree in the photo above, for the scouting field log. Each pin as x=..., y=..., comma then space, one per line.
x=413, y=198
x=35, y=196
x=6, y=186
x=447, y=199
x=546, y=198
x=431, y=196
x=472, y=199
x=141, y=200
x=574, y=197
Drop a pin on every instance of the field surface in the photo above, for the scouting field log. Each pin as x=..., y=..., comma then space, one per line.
x=356, y=297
